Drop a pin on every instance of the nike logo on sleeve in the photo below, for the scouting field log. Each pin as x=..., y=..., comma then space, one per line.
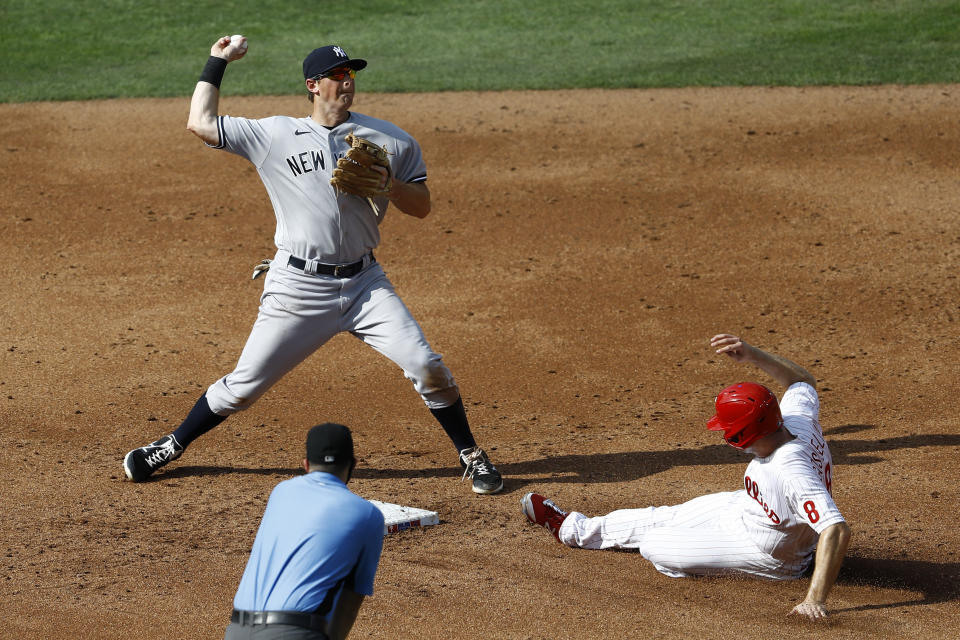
x=300, y=133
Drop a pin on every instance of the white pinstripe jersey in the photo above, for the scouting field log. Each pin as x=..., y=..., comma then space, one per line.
x=295, y=158
x=786, y=501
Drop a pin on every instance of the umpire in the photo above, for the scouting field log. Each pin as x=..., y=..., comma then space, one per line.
x=315, y=554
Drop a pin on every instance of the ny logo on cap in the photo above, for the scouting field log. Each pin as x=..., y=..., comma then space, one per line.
x=340, y=52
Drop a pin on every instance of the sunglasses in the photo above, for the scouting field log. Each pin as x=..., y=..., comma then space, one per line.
x=338, y=74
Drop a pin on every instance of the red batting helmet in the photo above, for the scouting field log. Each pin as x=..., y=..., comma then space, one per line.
x=745, y=412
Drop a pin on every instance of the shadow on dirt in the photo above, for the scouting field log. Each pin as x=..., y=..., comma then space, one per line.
x=198, y=471
x=933, y=582
x=617, y=467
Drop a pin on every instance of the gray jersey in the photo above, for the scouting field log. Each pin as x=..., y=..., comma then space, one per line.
x=295, y=158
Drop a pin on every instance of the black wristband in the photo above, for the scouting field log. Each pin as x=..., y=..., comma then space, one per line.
x=213, y=71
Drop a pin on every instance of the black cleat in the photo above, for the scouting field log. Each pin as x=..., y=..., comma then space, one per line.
x=141, y=463
x=485, y=477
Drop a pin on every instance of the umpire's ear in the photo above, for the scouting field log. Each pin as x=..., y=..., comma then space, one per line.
x=306, y=465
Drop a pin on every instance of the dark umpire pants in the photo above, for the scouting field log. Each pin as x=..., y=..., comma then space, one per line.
x=271, y=632
x=246, y=627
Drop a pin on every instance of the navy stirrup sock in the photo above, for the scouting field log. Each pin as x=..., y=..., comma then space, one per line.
x=453, y=419
x=200, y=420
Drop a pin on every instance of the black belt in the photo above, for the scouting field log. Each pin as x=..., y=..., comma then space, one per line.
x=337, y=270
x=310, y=621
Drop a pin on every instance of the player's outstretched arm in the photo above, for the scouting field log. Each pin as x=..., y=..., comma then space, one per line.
x=784, y=371
x=831, y=549
x=205, y=104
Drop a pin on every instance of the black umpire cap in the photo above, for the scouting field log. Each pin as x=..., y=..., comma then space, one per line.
x=323, y=59
x=329, y=443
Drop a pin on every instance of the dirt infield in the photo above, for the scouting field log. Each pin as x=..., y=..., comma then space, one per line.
x=583, y=248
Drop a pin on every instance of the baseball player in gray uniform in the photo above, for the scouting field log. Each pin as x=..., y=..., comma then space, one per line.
x=767, y=529
x=324, y=278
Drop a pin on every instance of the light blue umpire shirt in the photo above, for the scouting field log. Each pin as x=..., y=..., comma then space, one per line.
x=316, y=538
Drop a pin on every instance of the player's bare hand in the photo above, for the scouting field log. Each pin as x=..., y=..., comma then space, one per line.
x=230, y=48
x=810, y=610
x=731, y=345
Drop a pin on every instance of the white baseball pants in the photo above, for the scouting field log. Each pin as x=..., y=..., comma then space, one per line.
x=704, y=536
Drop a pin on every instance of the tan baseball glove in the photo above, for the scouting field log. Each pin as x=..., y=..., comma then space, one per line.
x=355, y=172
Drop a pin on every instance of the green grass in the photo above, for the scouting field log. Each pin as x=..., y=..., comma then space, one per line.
x=57, y=50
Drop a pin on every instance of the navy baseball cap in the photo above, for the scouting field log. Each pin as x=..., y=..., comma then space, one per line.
x=323, y=59
x=329, y=443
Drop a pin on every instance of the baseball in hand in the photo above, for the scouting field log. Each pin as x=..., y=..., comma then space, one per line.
x=239, y=39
